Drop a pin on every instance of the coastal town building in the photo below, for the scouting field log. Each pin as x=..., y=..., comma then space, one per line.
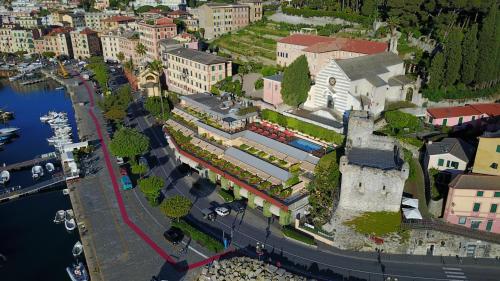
x=272, y=89
x=191, y=71
x=219, y=18
x=256, y=9
x=152, y=31
x=23, y=40
x=118, y=21
x=120, y=41
x=487, y=159
x=93, y=20
x=319, y=50
x=101, y=4
x=373, y=170
x=85, y=43
x=28, y=22
x=58, y=41
x=360, y=83
x=466, y=115
x=172, y=4
x=75, y=20
x=473, y=201
x=450, y=154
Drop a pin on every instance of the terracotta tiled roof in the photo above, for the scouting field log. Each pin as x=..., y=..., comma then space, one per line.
x=59, y=30
x=349, y=45
x=119, y=19
x=178, y=13
x=164, y=21
x=305, y=39
x=88, y=31
x=491, y=109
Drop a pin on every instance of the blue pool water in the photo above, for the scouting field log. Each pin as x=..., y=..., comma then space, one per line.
x=305, y=145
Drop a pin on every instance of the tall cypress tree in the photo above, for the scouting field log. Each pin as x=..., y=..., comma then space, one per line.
x=453, y=56
x=486, y=64
x=436, y=71
x=369, y=7
x=469, y=55
x=296, y=82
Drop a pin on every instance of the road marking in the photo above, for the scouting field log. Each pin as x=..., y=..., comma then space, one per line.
x=454, y=274
x=452, y=268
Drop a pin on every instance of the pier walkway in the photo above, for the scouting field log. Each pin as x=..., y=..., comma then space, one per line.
x=18, y=191
x=21, y=165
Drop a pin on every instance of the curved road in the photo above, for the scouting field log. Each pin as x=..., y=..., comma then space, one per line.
x=323, y=262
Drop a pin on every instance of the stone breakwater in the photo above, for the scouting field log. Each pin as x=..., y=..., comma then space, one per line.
x=243, y=268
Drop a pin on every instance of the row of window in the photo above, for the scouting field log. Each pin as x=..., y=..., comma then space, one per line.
x=449, y=164
x=282, y=54
x=480, y=193
x=475, y=224
x=477, y=207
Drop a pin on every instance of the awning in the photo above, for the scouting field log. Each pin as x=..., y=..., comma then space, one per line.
x=412, y=213
x=411, y=202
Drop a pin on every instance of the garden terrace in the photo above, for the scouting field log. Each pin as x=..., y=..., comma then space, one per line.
x=220, y=112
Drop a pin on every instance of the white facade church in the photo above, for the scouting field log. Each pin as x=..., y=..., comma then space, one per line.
x=361, y=83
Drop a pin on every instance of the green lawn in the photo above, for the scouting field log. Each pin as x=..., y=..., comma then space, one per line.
x=376, y=223
x=298, y=235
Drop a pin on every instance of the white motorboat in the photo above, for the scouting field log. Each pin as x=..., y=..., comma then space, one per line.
x=69, y=214
x=8, y=131
x=58, y=139
x=65, y=191
x=59, y=88
x=52, y=115
x=50, y=167
x=77, y=249
x=60, y=215
x=70, y=224
x=37, y=172
x=58, y=121
x=4, y=177
x=77, y=272
x=15, y=77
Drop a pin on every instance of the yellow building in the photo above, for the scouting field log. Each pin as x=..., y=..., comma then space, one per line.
x=488, y=154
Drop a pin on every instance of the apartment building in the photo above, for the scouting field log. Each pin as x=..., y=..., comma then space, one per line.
x=255, y=11
x=58, y=40
x=154, y=30
x=28, y=22
x=93, y=20
x=75, y=20
x=172, y=4
x=462, y=115
x=219, y=18
x=473, y=201
x=6, y=39
x=488, y=154
x=117, y=41
x=319, y=50
x=191, y=71
x=85, y=43
x=101, y=4
x=23, y=40
x=119, y=21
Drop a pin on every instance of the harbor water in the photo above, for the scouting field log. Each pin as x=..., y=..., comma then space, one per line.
x=32, y=247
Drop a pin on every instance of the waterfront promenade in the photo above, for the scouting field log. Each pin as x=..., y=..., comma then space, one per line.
x=113, y=251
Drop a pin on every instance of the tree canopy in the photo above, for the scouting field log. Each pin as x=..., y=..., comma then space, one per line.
x=176, y=207
x=469, y=55
x=151, y=187
x=128, y=142
x=296, y=82
x=398, y=121
x=323, y=187
x=115, y=114
x=153, y=106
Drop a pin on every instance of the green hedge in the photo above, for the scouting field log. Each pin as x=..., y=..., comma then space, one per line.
x=307, y=13
x=285, y=217
x=299, y=236
x=301, y=126
x=202, y=238
x=226, y=195
x=460, y=92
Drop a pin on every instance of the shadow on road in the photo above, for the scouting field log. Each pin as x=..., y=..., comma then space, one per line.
x=171, y=273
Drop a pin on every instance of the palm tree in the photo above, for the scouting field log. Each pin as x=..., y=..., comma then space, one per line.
x=140, y=49
x=129, y=64
x=120, y=56
x=156, y=67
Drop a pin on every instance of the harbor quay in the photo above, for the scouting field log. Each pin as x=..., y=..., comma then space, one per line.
x=113, y=251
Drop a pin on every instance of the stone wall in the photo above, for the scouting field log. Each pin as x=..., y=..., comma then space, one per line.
x=243, y=268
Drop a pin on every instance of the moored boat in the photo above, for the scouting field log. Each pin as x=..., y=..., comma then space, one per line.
x=59, y=218
x=77, y=272
x=70, y=224
x=37, y=172
x=9, y=131
x=49, y=167
x=77, y=249
x=4, y=177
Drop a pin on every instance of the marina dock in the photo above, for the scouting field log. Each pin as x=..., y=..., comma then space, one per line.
x=7, y=194
x=29, y=163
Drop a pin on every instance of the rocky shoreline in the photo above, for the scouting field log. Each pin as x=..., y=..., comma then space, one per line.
x=244, y=268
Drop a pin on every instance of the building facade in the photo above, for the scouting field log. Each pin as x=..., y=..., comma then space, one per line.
x=450, y=154
x=218, y=18
x=373, y=171
x=272, y=89
x=473, y=202
x=191, y=71
x=462, y=115
x=94, y=20
x=23, y=40
x=488, y=154
x=152, y=31
x=57, y=41
x=85, y=43
x=118, y=21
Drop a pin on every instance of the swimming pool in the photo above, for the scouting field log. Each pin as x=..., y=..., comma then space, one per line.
x=305, y=145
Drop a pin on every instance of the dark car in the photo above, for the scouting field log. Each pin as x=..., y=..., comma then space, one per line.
x=174, y=235
x=238, y=206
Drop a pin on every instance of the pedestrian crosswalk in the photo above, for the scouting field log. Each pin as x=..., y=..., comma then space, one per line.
x=454, y=274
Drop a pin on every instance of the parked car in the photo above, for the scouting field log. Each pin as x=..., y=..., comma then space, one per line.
x=174, y=235
x=222, y=211
x=120, y=161
x=126, y=182
x=123, y=171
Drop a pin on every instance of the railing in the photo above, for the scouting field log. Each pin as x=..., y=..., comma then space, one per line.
x=432, y=224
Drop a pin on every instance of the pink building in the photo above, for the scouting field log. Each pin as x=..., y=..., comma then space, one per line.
x=153, y=31
x=473, y=201
x=458, y=115
x=272, y=89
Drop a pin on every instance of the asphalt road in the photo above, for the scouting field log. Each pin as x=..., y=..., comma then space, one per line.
x=323, y=262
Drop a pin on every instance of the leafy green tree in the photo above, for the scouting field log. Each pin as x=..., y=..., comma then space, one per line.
x=397, y=121
x=151, y=187
x=259, y=84
x=128, y=142
x=453, y=56
x=176, y=207
x=120, y=56
x=323, y=187
x=100, y=70
x=154, y=107
x=369, y=7
x=141, y=50
x=156, y=67
x=296, y=82
x=436, y=71
x=488, y=47
x=115, y=114
x=469, y=55
x=139, y=169
x=48, y=54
